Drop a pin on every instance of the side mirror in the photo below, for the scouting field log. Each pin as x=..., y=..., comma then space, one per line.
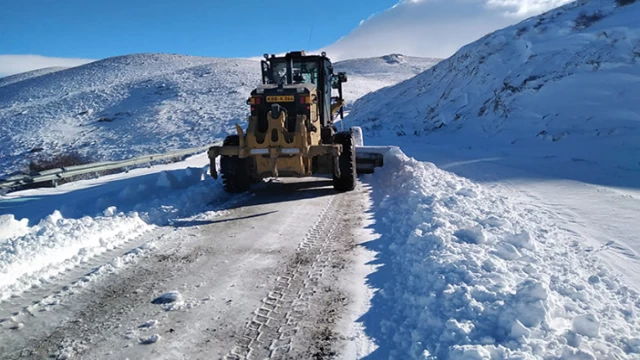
x=336, y=80
x=266, y=72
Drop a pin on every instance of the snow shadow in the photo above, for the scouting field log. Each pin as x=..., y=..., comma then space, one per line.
x=274, y=192
x=483, y=163
x=381, y=306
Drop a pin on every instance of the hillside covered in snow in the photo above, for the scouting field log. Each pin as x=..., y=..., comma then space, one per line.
x=566, y=81
x=147, y=103
x=8, y=80
x=370, y=74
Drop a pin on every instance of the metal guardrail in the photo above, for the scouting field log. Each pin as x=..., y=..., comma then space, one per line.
x=67, y=172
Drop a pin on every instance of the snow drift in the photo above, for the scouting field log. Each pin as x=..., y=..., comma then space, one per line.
x=568, y=80
x=467, y=273
x=62, y=228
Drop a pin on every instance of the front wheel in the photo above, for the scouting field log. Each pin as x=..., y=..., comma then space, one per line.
x=346, y=163
x=235, y=177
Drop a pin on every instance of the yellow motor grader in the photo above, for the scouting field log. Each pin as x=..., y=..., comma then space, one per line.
x=291, y=130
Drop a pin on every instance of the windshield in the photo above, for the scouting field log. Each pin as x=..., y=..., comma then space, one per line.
x=303, y=72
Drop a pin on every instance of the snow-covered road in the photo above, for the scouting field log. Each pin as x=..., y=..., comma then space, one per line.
x=473, y=257
x=225, y=270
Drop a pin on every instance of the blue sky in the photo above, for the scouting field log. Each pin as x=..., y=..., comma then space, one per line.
x=220, y=28
x=43, y=33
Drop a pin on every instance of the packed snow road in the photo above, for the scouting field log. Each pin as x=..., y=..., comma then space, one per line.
x=165, y=265
x=263, y=278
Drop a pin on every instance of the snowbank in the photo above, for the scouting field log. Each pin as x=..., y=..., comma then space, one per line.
x=103, y=218
x=468, y=274
x=10, y=227
x=56, y=244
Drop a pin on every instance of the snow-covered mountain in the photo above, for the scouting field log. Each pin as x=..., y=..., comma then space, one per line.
x=146, y=103
x=123, y=106
x=370, y=74
x=7, y=80
x=566, y=81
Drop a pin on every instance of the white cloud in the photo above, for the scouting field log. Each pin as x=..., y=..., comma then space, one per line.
x=526, y=7
x=14, y=64
x=433, y=28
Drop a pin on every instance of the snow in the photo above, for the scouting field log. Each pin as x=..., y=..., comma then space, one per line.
x=587, y=325
x=150, y=339
x=124, y=106
x=168, y=298
x=543, y=86
x=10, y=227
x=64, y=227
x=140, y=104
x=525, y=233
x=510, y=230
x=432, y=28
x=68, y=242
x=370, y=74
x=7, y=80
x=151, y=324
x=524, y=291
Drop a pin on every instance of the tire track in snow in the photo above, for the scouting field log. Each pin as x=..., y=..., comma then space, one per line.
x=303, y=298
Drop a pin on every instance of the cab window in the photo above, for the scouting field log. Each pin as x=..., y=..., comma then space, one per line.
x=305, y=72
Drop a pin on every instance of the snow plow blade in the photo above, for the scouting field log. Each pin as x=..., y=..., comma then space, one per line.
x=370, y=157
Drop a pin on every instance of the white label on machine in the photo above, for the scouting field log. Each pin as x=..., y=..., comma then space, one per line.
x=290, y=151
x=259, y=151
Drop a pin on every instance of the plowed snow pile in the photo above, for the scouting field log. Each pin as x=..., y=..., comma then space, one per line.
x=82, y=220
x=567, y=81
x=469, y=274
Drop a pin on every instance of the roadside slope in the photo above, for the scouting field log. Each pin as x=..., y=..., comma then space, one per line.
x=563, y=83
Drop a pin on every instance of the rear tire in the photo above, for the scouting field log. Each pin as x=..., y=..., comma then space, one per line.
x=235, y=177
x=346, y=163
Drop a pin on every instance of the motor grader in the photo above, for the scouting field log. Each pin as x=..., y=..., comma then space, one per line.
x=290, y=132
